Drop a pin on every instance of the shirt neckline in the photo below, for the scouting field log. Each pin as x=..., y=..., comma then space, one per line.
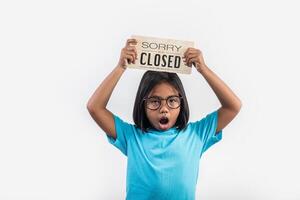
x=170, y=131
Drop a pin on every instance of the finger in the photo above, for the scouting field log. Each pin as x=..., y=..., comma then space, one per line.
x=192, y=51
x=126, y=50
x=129, y=58
x=132, y=53
x=191, y=56
x=132, y=49
x=188, y=50
x=131, y=41
x=191, y=61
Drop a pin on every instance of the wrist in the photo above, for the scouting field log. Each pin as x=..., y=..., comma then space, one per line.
x=121, y=67
x=201, y=69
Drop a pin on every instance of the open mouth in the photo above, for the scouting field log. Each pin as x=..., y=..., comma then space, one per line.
x=163, y=120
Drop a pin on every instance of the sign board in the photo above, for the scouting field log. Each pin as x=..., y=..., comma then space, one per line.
x=160, y=54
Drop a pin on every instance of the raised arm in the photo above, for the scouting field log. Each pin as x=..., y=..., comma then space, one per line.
x=98, y=101
x=231, y=104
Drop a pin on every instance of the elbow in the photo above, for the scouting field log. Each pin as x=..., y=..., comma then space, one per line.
x=234, y=107
x=90, y=107
x=238, y=106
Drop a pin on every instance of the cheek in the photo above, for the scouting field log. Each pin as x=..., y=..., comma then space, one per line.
x=176, y=114
x=149, y=114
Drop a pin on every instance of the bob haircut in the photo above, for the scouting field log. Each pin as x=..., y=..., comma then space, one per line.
x=149, y=80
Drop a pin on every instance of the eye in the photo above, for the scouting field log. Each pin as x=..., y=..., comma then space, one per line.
x=174, y=100
x=154, y=101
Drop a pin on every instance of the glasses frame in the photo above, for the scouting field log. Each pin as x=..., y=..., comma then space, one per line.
x=161, y=99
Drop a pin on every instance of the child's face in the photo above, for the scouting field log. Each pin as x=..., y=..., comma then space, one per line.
x=164, y=117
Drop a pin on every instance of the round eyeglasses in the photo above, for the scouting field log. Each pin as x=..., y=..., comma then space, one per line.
x=153, y=103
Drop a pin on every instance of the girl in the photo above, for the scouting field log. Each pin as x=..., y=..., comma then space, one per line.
x=163, y=149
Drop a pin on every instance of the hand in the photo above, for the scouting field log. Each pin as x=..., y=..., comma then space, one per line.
x=194, y=57
x=128, y=53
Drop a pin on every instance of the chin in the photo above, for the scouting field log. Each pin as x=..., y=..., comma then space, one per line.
x=164, y=126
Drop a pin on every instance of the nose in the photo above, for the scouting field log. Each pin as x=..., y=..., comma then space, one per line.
x=164, y=106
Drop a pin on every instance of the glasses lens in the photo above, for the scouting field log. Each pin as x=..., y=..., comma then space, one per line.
x=173, y=102
x=153, y=103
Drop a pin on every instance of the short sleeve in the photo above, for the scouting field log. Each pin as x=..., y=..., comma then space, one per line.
x=206, y=129
x=124, y=131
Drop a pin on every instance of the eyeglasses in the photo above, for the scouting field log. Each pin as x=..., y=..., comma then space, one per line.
x=153, y=103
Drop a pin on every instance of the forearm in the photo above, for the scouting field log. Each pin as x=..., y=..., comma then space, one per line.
x=102, y=94
x=225, y=95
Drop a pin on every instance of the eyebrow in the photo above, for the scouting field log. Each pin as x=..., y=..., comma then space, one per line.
x=156, y=96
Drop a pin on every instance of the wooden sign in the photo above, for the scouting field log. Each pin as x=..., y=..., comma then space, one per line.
x=161, y=54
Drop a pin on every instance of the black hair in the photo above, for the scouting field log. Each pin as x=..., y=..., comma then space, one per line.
x=149, y=80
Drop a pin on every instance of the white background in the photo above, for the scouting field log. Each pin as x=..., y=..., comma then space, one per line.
x=54, y=54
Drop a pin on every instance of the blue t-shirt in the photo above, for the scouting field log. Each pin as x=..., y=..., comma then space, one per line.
x=163, y=165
